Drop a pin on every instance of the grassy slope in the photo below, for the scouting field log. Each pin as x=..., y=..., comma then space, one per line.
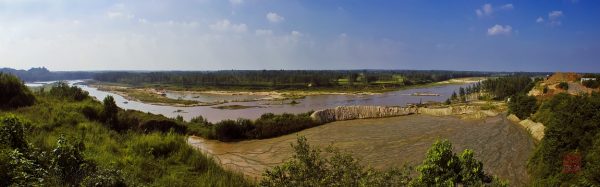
x=131, y=152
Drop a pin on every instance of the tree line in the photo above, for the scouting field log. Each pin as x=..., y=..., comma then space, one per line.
x=284, y=78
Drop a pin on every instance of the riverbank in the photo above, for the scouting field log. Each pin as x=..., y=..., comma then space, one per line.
x=388, y=142
x=151, y=95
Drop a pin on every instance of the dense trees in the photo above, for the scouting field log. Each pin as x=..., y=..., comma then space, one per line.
x=284, y=79
x=504, y=87
x=572, y=128
x=522, y=106
x=13, y=93
x=267, y=126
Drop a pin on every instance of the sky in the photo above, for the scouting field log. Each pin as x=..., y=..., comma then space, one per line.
x=536, y=35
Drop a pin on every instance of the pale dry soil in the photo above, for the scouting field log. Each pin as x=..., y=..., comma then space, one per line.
x=502, y=146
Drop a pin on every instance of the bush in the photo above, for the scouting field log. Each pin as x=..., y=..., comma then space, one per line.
x=228, y=130
x=11, y=133
x=563, y=85
x=68, y=163
x=64, y=91
x=158, y=145
x=13, y=93
x=442, y=167
x=110, y=112
x=308, y=167
x=162, y=125
x=522, y=106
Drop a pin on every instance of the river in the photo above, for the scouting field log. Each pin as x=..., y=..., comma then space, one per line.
x=316, y=102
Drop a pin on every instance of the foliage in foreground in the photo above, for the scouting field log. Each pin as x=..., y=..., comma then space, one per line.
x=572, y=128
x=68, y=140
x=308, y=167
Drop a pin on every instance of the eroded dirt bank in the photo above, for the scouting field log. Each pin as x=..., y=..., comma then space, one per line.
x=502, y=146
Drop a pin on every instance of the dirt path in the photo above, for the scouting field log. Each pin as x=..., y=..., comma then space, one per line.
x=503, y=147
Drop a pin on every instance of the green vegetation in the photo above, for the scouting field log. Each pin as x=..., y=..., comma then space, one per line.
x=505, y=87
x=442, y=167
x=522, y=106
x=464, y=93
x=156, y=98
x=305, y=80
x=68, y=139
x=267, y=126
x=563, y=85
x=572, y=128
x=309, y=167
x=13, y=93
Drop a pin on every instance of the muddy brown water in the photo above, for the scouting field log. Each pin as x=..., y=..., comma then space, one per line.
x=502, y=146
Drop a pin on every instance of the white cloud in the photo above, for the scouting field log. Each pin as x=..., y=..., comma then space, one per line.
x=236, y=2
x=539, y=20
x=499, y=30
x=555, y=14
x=554, y=18
x=263, y=32
x=226, y=26
x=488, y=10
x=119, y=15
x=507, y=7
x=274, y=17
x=297, y=34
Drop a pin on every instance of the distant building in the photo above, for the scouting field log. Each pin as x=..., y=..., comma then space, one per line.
x=587, y=79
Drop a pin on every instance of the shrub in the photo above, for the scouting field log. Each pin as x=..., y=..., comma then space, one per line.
x=228, y=130
x=563, y=85
x=308, y=167
x=68, y=163
x=13, y=93
x=110, y=112
x=591, y=83
x=442, y=167
x=158, y=145
x=161, y=125
x=63, y=90
x=522, y=106
x=11, y=132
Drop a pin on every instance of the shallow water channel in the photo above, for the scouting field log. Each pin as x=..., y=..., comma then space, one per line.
x=503, y=147
x=316, y=102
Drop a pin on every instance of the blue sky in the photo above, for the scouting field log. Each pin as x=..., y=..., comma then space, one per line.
x=543, y=35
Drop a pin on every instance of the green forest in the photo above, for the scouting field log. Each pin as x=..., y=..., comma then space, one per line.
x=367, y=80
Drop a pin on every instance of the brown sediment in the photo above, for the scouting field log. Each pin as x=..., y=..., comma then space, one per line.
x=389, y=142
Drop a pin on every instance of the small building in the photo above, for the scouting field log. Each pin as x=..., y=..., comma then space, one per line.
x=587, y=79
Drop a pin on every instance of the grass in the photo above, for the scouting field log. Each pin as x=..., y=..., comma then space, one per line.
x=154, y=159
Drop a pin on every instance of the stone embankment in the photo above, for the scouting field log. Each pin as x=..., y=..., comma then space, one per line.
x=536, y=129
x=342, y=113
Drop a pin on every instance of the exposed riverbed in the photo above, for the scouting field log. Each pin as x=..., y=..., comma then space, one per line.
x=256, y=108
x=503, y=147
